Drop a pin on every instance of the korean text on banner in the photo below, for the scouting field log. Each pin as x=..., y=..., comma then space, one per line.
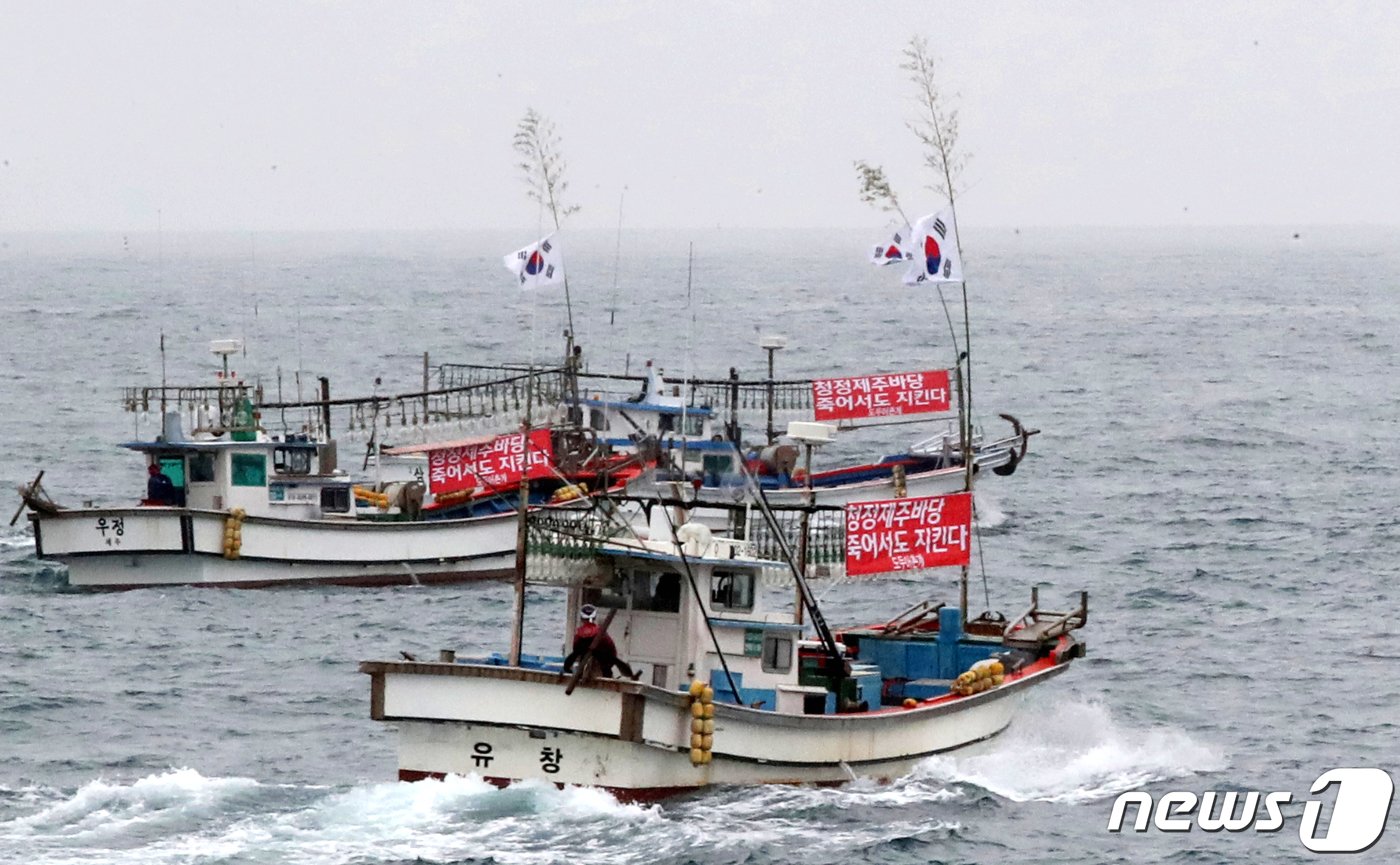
x=497, y=463
x=867, y=396
x=907, y=534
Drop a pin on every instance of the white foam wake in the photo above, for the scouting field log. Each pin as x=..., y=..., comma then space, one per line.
x=1074, y=752
x=183, y=817
x=100, y=807
x=989, y=512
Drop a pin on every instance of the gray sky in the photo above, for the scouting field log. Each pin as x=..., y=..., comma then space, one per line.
x=261, y=115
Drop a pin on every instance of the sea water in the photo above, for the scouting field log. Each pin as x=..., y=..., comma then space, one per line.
x=1217, y=467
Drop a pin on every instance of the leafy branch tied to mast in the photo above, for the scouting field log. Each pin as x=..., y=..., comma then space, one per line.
x=936, y=125
x=542, y=168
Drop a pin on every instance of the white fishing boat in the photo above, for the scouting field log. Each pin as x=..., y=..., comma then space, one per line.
x=231, y=504
x=729, y=692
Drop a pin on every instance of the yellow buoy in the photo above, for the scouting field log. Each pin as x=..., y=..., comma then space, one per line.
x=707, y=726
x=707, y=742
x=697, y=756
x=707, y=710
x=696, y=741
x=697, y=725
x=707, y=695
x=697, y=687
x=910, y=702
x=704, y=756
x=697, y=710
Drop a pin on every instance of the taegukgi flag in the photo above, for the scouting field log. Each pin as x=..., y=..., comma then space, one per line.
x=537, y=265
x=894, y=250
x=934, y=242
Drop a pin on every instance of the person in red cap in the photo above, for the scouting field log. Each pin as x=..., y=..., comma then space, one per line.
x=604, y=651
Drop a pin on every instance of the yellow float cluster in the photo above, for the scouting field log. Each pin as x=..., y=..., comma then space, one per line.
x=569, y=492
x=233, y=533
x=702, y=722
x=379, y=500
x=981, y=676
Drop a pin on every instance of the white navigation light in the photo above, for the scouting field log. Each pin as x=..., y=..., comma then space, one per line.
x=225, y=347
x=772, y=341
x=810, y=433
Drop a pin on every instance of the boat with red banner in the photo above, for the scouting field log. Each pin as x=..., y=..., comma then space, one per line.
x=715, y=685
x=702, y=429
x=233, y=503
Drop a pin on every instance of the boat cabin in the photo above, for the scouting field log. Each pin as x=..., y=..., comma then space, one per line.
x=267, y=476
x=661, y=412
x=663, y=599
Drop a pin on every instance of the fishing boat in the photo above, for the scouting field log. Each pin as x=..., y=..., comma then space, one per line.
x=233, y=504
x=698, y=428
x=726, y=689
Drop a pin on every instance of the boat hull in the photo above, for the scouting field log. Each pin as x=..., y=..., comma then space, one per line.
x=635, y=740
x=138, y=547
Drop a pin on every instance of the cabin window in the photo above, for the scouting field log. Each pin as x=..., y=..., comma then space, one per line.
x=665, y=423
x=777, y=653
x=335, y=499
x=291, y=461
x=651, y=591
x=731, y=590
x=694, y=424
x=249, y=470
x=201, y=468
x=666, y=592
x=598, y=419
x=173, y=468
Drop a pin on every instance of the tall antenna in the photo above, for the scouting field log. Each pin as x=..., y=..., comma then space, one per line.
x=617, y=260
x=162, y=378
x=689, y=353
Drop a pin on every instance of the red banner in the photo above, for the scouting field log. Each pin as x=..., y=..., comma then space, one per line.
x=497, y=463
x=905, y=534
x=880, y=395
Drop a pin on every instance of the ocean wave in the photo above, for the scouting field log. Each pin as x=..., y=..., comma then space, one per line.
x=101, y=808
x=1078, y=752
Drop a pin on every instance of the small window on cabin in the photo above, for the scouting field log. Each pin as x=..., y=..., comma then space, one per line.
x=335, y=499
x=598, y=419
x=666, y=423
x=731, y=590
x=694, y=424
x=777, y=653
x=291, y=461
x=202, y=468
x=249, y=470
x=666, y=592
x=174, y=468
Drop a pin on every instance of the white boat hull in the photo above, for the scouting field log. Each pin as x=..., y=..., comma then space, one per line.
x=153, y=546
x=635, y=740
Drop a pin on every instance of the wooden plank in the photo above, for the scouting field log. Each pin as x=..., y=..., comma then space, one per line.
x=633, y=712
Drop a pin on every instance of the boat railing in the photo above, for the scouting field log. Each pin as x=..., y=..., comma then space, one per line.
x=733, y=394
x=1034, y=626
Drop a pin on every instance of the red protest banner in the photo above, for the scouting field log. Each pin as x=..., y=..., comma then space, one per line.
x=906, y=534
x=865, y=396
x=496, y=463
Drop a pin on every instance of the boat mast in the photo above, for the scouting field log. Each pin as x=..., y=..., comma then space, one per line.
x=966, y=445
x=517, y=625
